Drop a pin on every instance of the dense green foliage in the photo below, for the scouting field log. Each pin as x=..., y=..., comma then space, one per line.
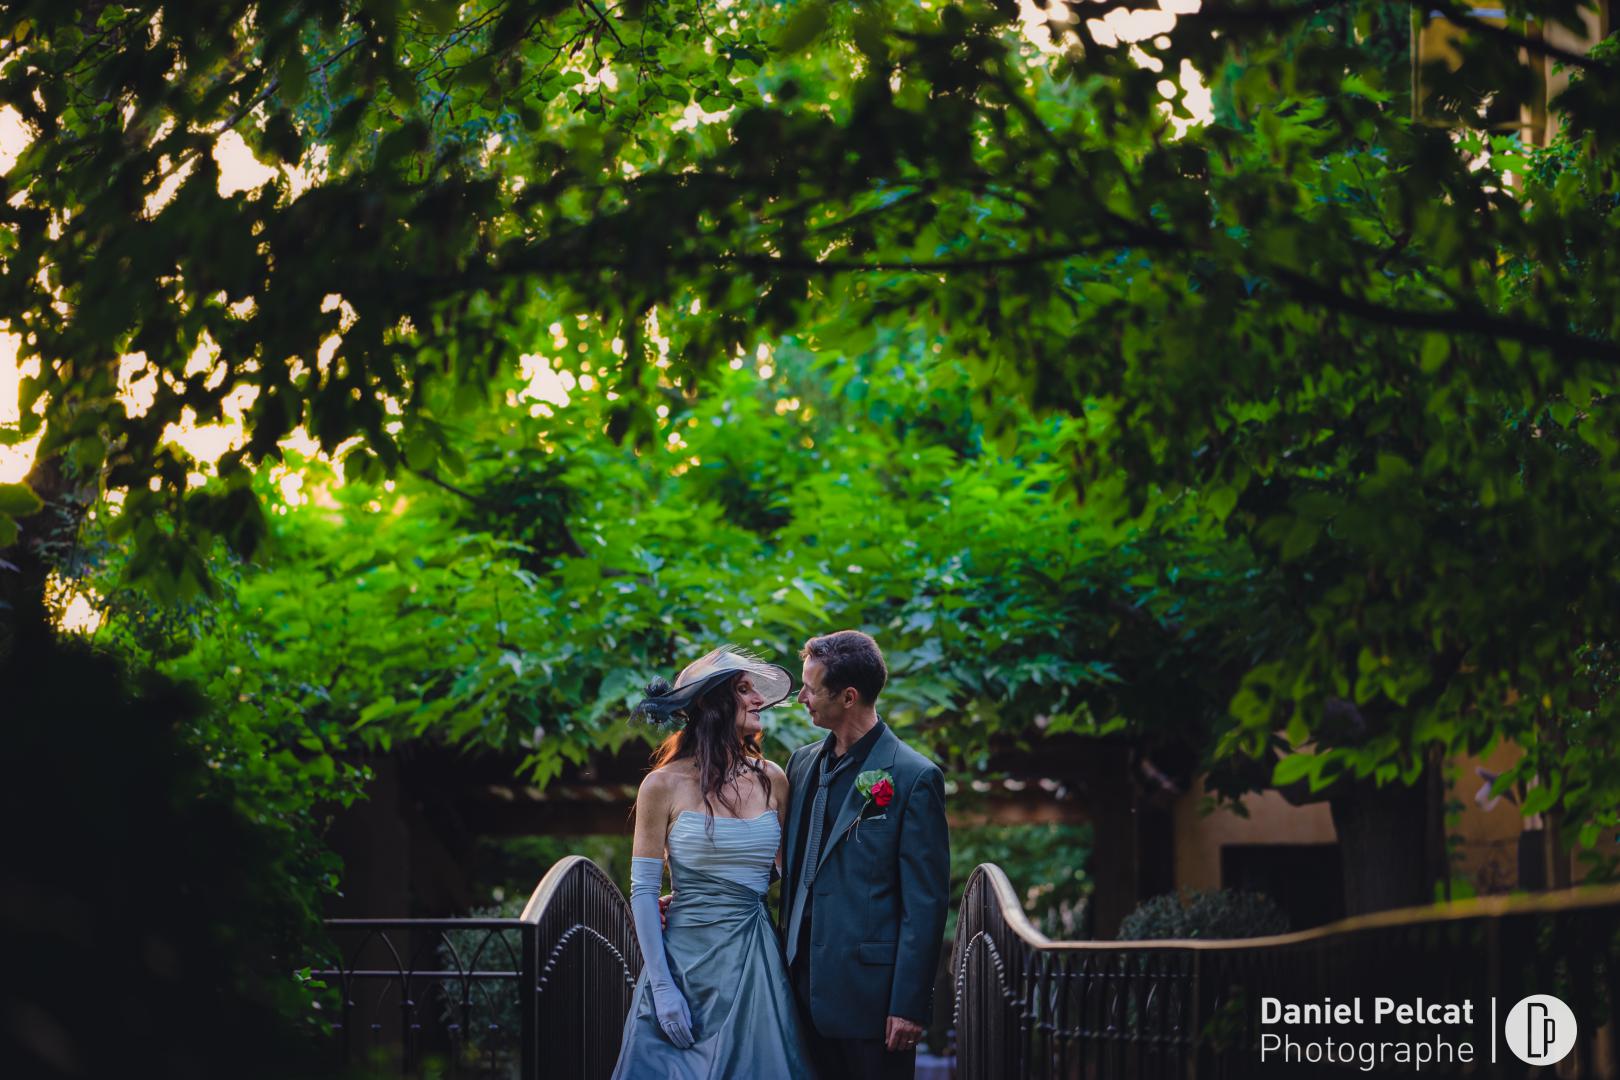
x=1308, y=411
x=820, y=497
x=1048, y=862
x=150, y=915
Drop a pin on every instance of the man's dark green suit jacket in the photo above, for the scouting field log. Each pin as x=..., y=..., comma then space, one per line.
x=879, y=897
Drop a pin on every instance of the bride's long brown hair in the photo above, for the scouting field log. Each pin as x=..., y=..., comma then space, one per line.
x=711, y=739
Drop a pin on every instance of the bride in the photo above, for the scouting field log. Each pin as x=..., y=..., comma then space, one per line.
x=713, y=999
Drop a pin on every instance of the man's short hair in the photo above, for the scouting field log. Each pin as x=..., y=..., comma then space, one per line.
x=850, y=658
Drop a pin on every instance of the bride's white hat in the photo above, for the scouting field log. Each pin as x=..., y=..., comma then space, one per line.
x=665, y=703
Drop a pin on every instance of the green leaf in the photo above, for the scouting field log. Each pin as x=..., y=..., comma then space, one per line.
x=401, y=142
x=383, y=706
x=293, y=76
x=88, y=453
x=1298, y=731
x=803, y=27
x=870, y=37
x=439, y=15
x=1436, y=350
x=470, y=397
x=1538, y=800
x=1294, y=768
x=1222, y=501
x=360, y=466
x=18, y=500
x=421, y=450
x=1300, y=539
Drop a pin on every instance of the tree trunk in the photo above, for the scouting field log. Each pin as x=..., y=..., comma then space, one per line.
x=1556, y=856
x=1387, y=841
x=1132, y=855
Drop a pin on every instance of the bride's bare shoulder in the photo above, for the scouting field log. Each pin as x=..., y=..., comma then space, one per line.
x=666, y=779
x=776, y=778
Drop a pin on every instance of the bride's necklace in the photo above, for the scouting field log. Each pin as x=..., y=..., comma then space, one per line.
x=733, y=779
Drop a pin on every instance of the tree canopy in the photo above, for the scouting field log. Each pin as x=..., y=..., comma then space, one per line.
x=1360, y=365
x=523, y=607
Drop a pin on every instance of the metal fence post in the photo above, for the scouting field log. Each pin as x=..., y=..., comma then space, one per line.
x=528, y=1001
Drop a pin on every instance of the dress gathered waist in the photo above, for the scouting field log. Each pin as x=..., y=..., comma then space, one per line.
x=702, y=899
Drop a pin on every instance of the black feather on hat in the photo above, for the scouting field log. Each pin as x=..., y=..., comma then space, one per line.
x=666, y=704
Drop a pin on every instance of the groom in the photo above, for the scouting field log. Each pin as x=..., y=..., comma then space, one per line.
x=867, y=874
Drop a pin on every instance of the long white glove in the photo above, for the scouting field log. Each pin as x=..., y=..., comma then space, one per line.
x=646, y=875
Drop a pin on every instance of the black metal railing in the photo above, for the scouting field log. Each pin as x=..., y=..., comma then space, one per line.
x=586, y=960
x=542, y=995
x=1027, y=1006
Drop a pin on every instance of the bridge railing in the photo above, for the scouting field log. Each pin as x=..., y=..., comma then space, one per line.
x=1027, y=1006
x=543, y=995
x=586, y=962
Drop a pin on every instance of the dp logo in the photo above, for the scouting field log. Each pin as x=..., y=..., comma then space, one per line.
x=1540, y=1030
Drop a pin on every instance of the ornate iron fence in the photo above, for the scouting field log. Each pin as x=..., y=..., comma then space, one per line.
x=586, y=961
x=542, y=995
x=1027, y=1006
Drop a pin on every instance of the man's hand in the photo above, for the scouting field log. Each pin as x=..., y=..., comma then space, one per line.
x=902, y=1034
x=663, y=910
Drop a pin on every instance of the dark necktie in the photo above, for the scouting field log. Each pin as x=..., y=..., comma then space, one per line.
x=812, y=852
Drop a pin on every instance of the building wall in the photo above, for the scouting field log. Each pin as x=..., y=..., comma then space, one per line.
x=1489, y=839
x=1199, y=837
x=1437, y=38
x=1486, y=841
x=1598, y=24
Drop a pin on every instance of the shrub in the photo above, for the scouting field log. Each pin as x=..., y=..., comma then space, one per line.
x=147, y=928
x=1198, y=913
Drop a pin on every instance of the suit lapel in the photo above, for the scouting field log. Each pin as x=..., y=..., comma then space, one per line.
x=798, y=799
x=881, y=757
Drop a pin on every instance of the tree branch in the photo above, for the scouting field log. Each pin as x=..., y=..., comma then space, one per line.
x=184, y=157
x=1456, y=320
x=1453, y=321
x=433, y=478
x=603, y=19
x=571, y=545
x=456, y=37
x=769, y=264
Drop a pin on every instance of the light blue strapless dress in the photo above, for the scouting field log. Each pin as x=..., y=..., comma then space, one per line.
x=725, y=957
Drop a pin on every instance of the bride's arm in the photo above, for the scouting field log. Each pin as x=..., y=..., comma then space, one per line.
x=653, y=801
x=646, y=874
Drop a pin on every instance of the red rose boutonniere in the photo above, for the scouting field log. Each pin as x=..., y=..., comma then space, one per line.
x=876, y=789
